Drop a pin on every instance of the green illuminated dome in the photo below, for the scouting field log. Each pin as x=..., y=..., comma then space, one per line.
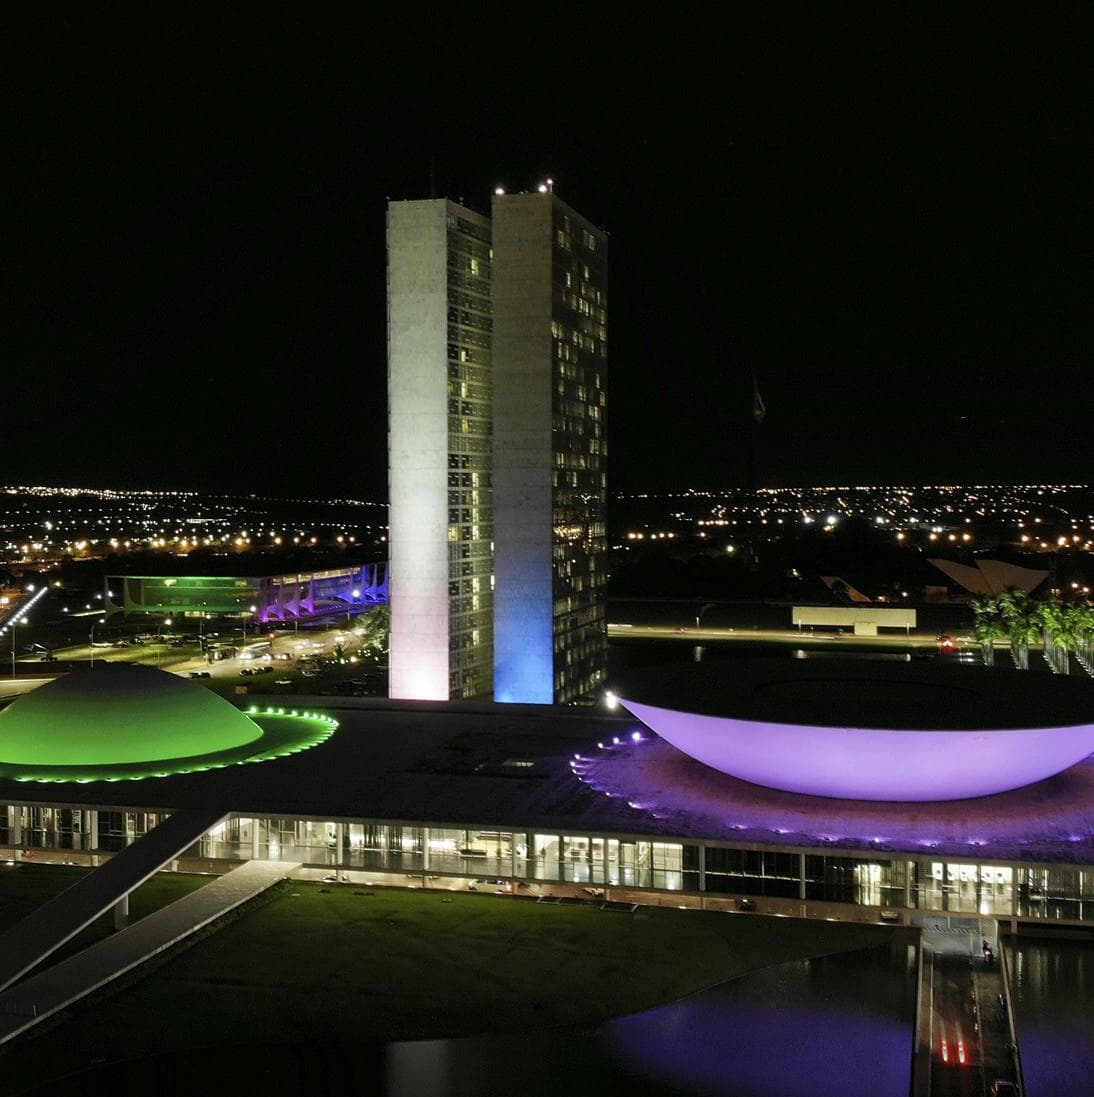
x=119, y=714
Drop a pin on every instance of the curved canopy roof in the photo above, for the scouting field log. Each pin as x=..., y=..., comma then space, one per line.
x=119, y=713
x=870, y=732
x=863, y=693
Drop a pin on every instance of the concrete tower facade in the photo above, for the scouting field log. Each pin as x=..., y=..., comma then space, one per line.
x=497, y=375
x=550, y=459
x=440, y=391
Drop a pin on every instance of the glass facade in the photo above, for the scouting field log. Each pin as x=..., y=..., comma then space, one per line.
x=470, y=458
x=579, y=332
x=76, y=829
x=593, y=861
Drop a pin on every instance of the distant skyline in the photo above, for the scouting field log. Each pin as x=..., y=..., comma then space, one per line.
x=884, y=225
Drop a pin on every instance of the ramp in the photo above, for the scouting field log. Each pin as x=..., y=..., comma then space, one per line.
x=29, y=942
x=42, y=995
x=964, y=1034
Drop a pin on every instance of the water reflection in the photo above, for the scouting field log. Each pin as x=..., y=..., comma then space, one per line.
x=1053, y=1000
x=839, y=1026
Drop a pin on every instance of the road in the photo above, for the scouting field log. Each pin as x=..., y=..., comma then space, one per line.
x=185, y=658
x=969, y=1031
x=791, y=636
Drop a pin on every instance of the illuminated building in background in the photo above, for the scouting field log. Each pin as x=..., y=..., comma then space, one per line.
x=287, y=597
x=497, y=372
x=550, y=464
x=439, y=460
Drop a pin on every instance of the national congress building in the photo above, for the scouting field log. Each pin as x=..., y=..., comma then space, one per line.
x=497, y=375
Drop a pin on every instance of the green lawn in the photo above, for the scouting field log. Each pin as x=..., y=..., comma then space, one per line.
x=338, y=966
x=25, y=887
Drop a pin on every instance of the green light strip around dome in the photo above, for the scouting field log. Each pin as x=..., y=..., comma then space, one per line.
x=284, y=732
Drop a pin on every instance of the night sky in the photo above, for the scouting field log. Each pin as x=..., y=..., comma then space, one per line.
x=885, y=224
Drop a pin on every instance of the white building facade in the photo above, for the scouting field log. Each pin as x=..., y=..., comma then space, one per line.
x=497, y=381
x=550, y=455
x=440, y=383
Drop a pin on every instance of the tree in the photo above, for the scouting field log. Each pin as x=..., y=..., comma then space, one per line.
x=1023, y=623
x=375, y=628
x=989, y=626
x=1063, y=629
x=1082, y=618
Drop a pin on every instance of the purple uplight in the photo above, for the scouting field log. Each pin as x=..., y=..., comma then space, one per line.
x=871, y=763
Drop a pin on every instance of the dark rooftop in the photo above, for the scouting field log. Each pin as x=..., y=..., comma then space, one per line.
x=923, y=695
x=452, y=764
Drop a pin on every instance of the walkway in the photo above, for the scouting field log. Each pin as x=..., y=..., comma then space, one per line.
x=30, y=941
x=965, y=1038
x=16, y=687
x=38, y=997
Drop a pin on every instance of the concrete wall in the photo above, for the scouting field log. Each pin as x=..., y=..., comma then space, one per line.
x=523, y=640
x=418, y=448
x=848, y=616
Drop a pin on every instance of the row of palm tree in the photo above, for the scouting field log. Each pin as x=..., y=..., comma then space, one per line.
x=1063, y=627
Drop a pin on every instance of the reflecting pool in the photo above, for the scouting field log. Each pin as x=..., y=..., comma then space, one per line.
x=1053, y=998
x=839, y=1026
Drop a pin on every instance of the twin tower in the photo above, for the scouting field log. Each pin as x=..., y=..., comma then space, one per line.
x=497, y=380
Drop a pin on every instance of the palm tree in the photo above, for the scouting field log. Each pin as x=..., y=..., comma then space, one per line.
x=1060, y=637
x=1023, y=623
x=1082, y=623
x=1068, y=628
x=989, y=626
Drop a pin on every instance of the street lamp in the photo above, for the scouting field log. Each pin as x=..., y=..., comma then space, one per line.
x=167, y=623
x=91, y=643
